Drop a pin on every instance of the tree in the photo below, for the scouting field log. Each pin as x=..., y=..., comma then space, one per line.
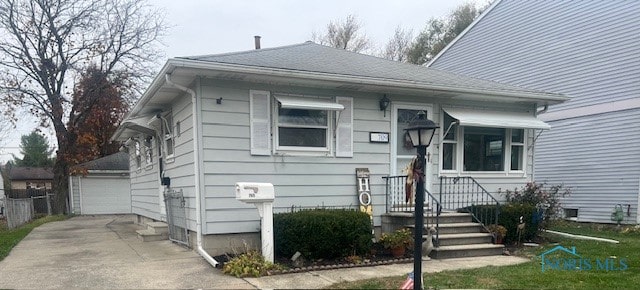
x=35, y=151
x=98, y=108
x=439, y=32
x=398, y=46
x=48, y=43
x=344, y=35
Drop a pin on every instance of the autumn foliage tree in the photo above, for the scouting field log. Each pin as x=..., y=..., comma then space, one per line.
x=98, y=107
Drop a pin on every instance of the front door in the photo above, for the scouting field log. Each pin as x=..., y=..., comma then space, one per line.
x=401, y=152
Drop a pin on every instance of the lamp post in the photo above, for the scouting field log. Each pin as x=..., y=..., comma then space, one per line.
x=421, y=133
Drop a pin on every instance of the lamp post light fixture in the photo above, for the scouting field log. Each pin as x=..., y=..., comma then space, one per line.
x=384, y=104
x=421, y=133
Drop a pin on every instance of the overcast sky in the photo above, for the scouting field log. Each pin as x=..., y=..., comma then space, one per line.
x=200, y=27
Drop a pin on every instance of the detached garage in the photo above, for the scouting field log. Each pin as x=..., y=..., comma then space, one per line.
x=101, y=186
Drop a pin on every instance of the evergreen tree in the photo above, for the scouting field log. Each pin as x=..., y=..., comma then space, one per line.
x=35, y=151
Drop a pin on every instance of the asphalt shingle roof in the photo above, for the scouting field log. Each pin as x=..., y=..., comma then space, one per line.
x=117, y=161
x=30, y=173
x=312, y=57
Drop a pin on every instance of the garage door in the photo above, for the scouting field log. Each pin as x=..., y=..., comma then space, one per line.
x=105, y=195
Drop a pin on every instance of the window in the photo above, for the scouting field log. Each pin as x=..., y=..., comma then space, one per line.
x=148, y=151
x=517, y=149
x=137, y=154
x=299, y=128
x=481, y=149
x=449, y=143
x=285, y=124
x=169, y=142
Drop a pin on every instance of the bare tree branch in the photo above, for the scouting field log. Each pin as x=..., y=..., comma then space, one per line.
x=344, y=35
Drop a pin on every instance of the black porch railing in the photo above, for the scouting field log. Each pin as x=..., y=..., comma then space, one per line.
x=457, y=194
x=465, y=194
x=399, y=201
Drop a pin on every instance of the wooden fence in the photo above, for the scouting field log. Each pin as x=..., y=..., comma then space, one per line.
x=19, y=211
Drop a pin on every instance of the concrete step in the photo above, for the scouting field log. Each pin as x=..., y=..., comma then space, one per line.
x=151, y=236
x=457, y=228
x=472, y=250
x=430, y=218
x=158, y=227
x=464, y=239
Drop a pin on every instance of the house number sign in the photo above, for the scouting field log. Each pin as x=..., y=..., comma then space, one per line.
x=378, y=137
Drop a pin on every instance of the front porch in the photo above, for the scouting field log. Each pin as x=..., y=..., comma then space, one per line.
x=461, y=231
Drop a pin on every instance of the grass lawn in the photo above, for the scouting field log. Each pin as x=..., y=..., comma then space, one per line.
x=10, y=238
x=529, y=275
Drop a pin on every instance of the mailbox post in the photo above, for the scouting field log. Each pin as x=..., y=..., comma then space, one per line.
x=262, y=196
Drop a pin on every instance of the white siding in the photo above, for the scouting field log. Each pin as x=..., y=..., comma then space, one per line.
x=75, y=191
x=598, y=157
x=145, y=186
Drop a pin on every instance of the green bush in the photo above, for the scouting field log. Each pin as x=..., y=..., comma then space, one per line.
x=322, y=233
x=250, y=264
x=509, y=218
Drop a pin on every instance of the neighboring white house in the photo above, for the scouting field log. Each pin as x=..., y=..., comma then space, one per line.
x=304, y=117
x=589, y=51
x=101, y=186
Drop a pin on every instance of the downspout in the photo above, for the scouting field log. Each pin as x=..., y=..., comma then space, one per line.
x=197, y=168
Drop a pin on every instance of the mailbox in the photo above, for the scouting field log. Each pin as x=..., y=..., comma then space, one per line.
x=253, y=192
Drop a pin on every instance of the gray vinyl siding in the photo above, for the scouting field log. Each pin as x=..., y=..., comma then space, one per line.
x=597, y=157
x=145, y=185
x=585, y=49
x=306, y=181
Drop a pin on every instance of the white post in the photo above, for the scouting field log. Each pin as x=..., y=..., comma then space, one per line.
x=266, y=216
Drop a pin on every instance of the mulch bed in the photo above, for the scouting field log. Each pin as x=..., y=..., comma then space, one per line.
x=379, y=256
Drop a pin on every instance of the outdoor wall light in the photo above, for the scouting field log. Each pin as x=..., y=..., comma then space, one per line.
x=421, y=133
x=384, y=104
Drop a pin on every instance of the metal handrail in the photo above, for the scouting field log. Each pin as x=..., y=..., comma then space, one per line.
x=398, y=201
x=465, y=193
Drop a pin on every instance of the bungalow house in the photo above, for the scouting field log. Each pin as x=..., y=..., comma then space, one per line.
x=589, y=51
x=304, y=117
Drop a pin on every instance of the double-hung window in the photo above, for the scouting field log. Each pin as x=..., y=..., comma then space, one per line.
x=304, y=125
x=302, y=129
x=169, y=141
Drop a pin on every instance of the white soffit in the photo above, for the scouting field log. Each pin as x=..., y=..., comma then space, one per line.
x=496, y=119
x=289, y=102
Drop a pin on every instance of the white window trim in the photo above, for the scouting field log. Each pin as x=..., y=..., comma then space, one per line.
x=148, y=152
x=524, y=151
x=328, y=150
x=459, y=165
x=168, y=126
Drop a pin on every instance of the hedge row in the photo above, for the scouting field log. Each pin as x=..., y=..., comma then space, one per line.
x=322, y=233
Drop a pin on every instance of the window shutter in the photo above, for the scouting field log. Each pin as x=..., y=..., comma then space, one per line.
x=344, y=128
x=259, y=110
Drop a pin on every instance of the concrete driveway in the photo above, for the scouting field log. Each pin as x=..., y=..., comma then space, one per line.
x=104, y=252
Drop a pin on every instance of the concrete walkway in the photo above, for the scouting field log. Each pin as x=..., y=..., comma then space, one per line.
x=104, y=252
x=326, y=278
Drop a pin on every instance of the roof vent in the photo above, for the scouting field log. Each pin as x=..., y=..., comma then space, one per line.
x=257, y=41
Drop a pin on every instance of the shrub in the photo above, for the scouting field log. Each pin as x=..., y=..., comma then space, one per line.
x=401, y=237
x=539, y=195
x=322, y=233
x=250, y=264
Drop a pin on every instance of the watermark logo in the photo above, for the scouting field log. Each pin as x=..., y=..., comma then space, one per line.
x=564, y=259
